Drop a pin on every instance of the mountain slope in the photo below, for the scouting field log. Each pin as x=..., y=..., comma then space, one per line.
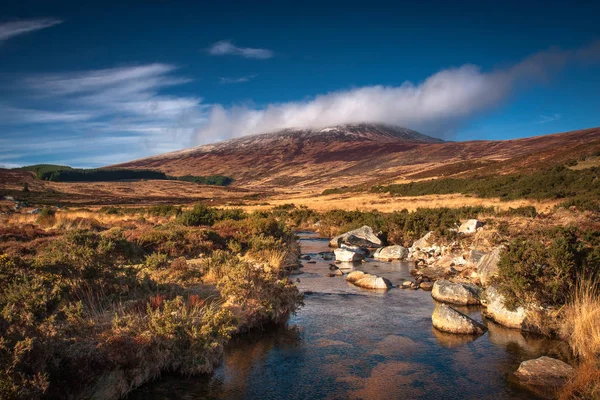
x=349, y=155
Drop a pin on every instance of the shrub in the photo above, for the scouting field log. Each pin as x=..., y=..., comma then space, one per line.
x=156, y=261
x=164, y=211
x=177, y=240
x=46, y=217
x=199, y=215
x=260, y=295
x=544, y=270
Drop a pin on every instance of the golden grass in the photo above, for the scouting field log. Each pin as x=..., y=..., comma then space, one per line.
x=585, y=383
x=581, y=324
x=387, y=203
x=581, y=327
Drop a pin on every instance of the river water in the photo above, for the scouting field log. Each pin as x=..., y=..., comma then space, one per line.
x=347, y=342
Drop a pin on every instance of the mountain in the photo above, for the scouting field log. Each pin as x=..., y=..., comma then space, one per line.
x=349, y=155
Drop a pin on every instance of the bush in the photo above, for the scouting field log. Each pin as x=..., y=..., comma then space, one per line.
x=544, y=270
x=199, y=215
x=177, y=240
x=156, y=261
x=164, y=211
x=259, y=294
x=46, y=217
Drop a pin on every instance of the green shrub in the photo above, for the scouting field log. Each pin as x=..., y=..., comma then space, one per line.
x=544, y=270
x=164, y=211
x=177, y=240
x=200, y=214
x=262, y=297
x=581, y=204
x=156, y=261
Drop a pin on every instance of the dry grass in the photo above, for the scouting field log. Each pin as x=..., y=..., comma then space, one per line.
x=587, y=163
x=585, y=384
x=581, y=326
x=387, y=203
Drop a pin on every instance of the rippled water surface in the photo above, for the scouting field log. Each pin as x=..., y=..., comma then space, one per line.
x=352, y=343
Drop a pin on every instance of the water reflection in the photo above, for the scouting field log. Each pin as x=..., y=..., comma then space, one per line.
x=450, y=341
x=353, y=343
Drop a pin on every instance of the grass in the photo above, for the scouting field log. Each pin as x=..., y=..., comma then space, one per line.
x=581, y=327
x=581, y=323
x=97, y=303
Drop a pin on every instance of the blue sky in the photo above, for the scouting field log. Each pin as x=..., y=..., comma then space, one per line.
x=111, y=81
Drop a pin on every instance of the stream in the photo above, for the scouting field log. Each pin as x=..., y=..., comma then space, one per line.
x=348, y=342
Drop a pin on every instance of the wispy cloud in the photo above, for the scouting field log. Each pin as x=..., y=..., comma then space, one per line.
x=102, y=111
x=549, y=118
x=226, y=47
x=241, y=79
x=15, y=28
x=436, y=105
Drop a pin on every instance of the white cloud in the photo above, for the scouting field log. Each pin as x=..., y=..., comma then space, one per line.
x=436, y=105
x=113, y=110
x=549, y=118
x=16, y=28
x=241, y=79
x=225, y=47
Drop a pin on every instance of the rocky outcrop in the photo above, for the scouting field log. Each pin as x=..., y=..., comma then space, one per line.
x=544, y=374
x=497, y=312
x=362, y=237
x=470, y=226
x=422, y=244
x=487, y=267
x=350, y=253
x=368, y=281
x=447, y=319
x=391, y=253
x=427, y=286
x=456, y=293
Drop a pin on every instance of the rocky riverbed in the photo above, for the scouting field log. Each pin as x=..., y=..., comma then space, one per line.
x=351, y=342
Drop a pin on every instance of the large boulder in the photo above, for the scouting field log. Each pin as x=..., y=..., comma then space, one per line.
x=368, y=281
x=391, y=252
x=374, y=282
x=447, y=319
x=346, y=255
x=470, y=226
x=354, y=276
x=362, y=237
x=456, y=293
x=487, y=267
x=544, y=373
x=350, y=253
x=422, y=244
x=497, y=312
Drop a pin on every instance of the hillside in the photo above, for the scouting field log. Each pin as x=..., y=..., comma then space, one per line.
x=351, y=155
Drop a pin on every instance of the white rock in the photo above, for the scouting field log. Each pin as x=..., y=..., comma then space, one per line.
x=447, y=319
x=391, y=252
x=470, y=226
x=497, y=312
x=363, y=236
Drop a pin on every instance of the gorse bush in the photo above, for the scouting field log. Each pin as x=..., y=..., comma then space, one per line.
x=401, y=227
x=200, y=214
x=57, y=302
x=544, y=269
